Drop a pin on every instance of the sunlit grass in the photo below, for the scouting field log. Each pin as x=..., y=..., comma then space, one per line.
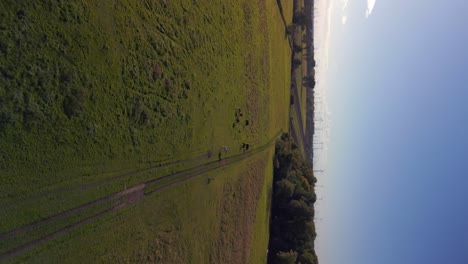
x=91, y=90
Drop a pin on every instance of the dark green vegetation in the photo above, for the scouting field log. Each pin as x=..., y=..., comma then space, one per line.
x=110, y=85
x=94, y=95
x=292, y=229
x=301, y=33
x=298, y=114
x=309, y=83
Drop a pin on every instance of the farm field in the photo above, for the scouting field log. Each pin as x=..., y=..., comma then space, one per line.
x=195, y=222
x=298, y=110
x=97, y=97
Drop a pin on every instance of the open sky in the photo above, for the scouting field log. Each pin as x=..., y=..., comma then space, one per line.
x=393, y=85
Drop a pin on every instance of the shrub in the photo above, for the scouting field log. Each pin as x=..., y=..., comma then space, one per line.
x=297, y=48
x=290, y=29
x=296, y=63
x=286, y=257
x=73, y=104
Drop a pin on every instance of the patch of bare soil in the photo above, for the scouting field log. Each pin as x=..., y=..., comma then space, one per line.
x=237, y=214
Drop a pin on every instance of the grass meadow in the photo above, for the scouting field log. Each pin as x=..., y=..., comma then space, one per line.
x=91, y=90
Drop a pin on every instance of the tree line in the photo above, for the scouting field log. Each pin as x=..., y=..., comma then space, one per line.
x=292, y=229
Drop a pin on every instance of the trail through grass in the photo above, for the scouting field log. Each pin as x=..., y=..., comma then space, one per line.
x=94, y=89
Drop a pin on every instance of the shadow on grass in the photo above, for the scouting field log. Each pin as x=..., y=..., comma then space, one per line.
x=286, y=35
x=280, y=7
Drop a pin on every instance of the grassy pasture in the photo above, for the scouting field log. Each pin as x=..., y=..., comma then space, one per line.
x=196, y=222
x=262, y=221
x=90, y=90
x=143, y=86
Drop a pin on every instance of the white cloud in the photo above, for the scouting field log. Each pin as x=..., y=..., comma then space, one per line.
x=345, y=4
x=344, y=19
x=370, y=7
x=344, y=15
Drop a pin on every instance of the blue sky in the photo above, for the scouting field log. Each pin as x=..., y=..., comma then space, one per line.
x=394, y=78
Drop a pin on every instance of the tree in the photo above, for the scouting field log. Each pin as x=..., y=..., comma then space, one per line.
x=286, y=257
x=307, y=258
x=309, y=81
x=290, y=29
x=300, y=18
x=296, y=63
x=284, y=189
x=292, y=229
x=297, y=48
x=299, y=209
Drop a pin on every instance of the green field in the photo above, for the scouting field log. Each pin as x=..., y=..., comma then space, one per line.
x=91, y=90
x=195, y=222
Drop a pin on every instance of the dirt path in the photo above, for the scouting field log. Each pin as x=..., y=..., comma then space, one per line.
x=160, y=165
x=119, y=200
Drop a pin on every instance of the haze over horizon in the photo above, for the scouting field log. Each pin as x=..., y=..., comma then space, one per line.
x=393, y=98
